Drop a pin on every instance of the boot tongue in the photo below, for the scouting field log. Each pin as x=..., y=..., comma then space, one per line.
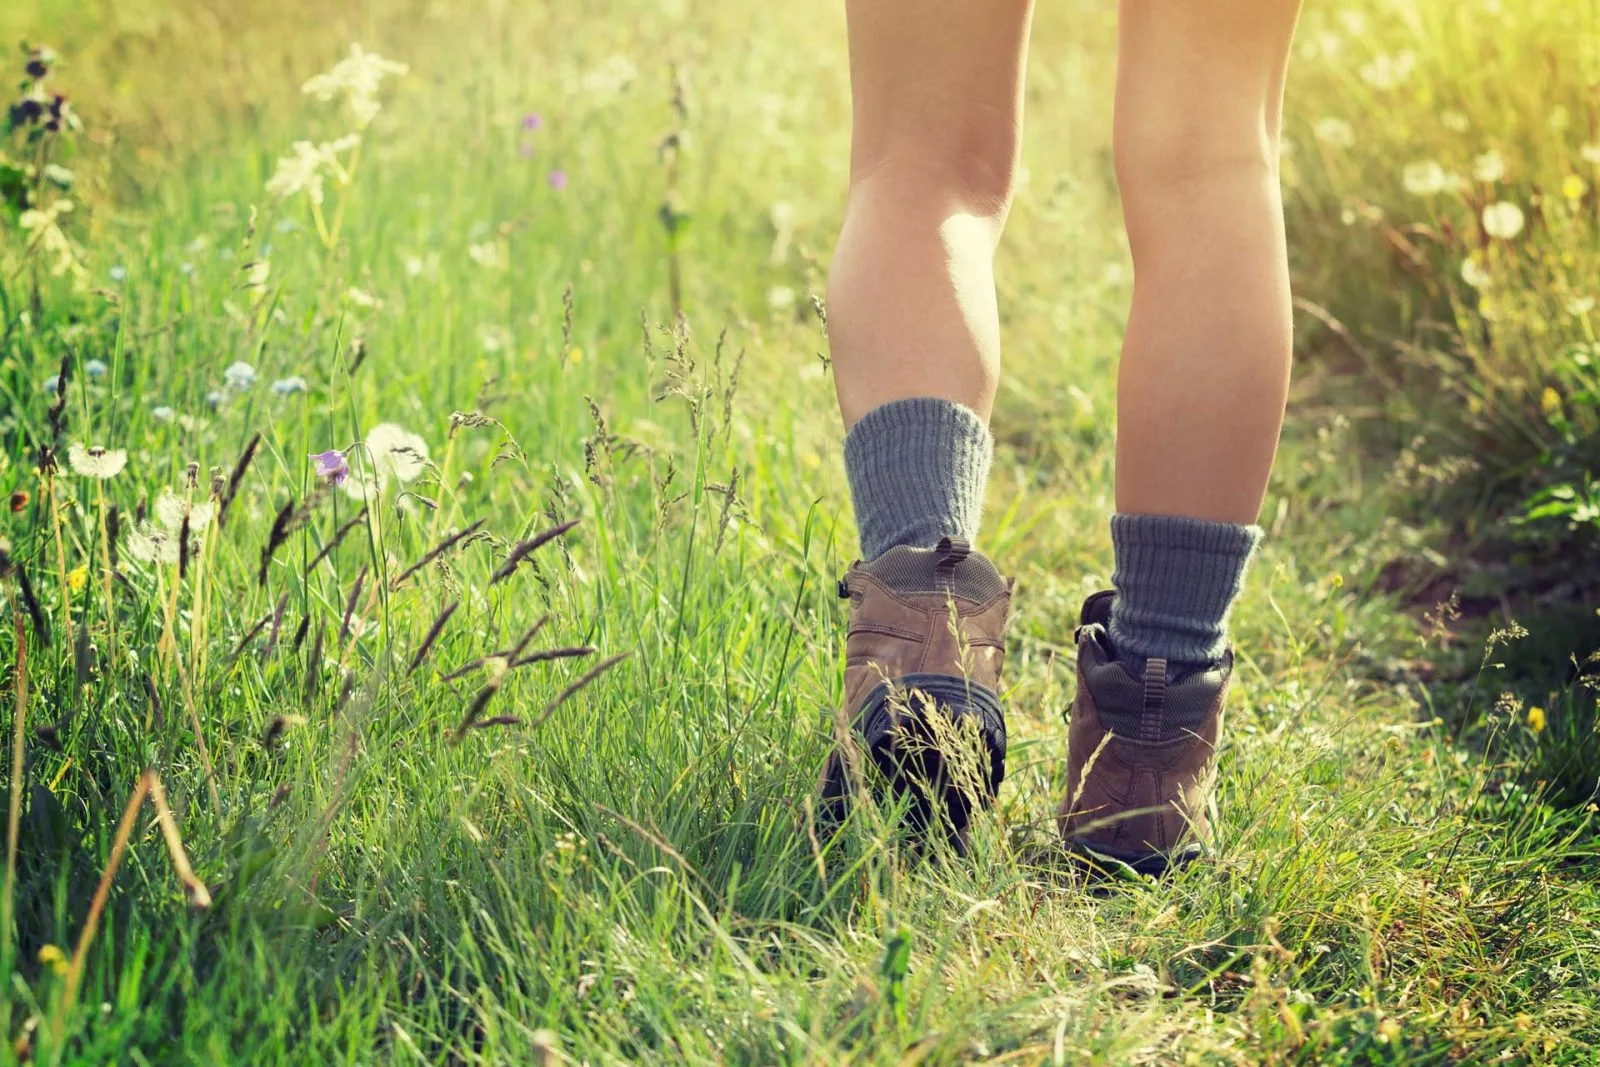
x=953, y=567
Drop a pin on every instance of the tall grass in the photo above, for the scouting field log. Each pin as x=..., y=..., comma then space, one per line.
x=439, y=819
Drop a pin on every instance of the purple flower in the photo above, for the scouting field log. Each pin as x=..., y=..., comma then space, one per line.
x=527, y=149
x=532, y=121
x=558, y=180
x=331, y=465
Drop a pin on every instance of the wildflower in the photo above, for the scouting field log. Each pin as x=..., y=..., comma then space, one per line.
x=558, y=180
x=1590, y=153
x=397, y=452
x=77, y=578
x=215, y=398
x=1579, y=306
x=1489, y=167
x=257, y=272
x=1536, y=720
x=526, y=148
x=1386, y=72
x=96, y=462
x=780, y=298
x=170, y=509
x=118, y=273
x=186, y=267
x=1473, y=272
x=331, y=465
x=289, y=386
x=532, y=121
x=610, y=77
x=1573, y=187
x=1550, y=402
x=1455, y=121
x=357, y=79
x=302, y=171
x=19, y=501
x=239, y=376
x=413, y=267
x=1335, y=133
x=362, y=299
x=95, y=368
x=493, y=338
x=1503, y=220
x=486, y=254
x=51, y=385
x=148, y=544
x=1426, y=178
x=53, y=958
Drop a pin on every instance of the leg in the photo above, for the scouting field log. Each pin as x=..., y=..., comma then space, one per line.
x=1205, y=365
x=937, y=89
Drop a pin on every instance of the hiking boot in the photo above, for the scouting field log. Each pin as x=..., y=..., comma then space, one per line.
x=1139, y=794
x=922, y=680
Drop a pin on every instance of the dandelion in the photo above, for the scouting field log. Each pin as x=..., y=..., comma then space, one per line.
x=186, y=267
x=1573, y=187
x=52, y=957
x=1426, y=178
x=1473, y=272
x=1580, y=306
x=1335, y=133
x=118, y=274
x=331, y=466
x=149, y=544
x=780, y=298
x=289, y=386
x=50, y=385
x=396, y=452
x=215, y=398
x=532, y=121
x=77, y=578
x=95, y=368
x=357, y=78
x=1590, y=154
x=493, y=338
x=1536, y=719
x=558, y=180
x=170, y=509
x=1455, y=121
x=1489, y=167
x=239, y=376
x=95, y=461
x=413, y=267
x=1503, y=220
x=610, y=77
x=362, y=299
x=1550, y=402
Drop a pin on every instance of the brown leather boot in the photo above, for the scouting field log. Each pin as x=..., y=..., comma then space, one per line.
x=1139, y=794
x=922, y=681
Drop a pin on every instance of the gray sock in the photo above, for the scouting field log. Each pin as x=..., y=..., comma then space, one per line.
x=1176, y=578
x=917, y=471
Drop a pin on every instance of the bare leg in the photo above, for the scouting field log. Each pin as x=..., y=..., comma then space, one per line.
x=1205, y=364
x=937, y=87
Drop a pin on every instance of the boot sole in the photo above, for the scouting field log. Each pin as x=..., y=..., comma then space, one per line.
x=903, y=746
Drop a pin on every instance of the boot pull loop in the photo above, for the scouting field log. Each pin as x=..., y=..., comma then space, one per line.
x=1155, y=699
x=949, y=552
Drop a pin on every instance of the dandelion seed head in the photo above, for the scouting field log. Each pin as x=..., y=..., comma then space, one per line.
x=1474, y=273
x=1424, y=178
x=94, y=461
x=1503, y=220
x=1455, y=121
x=1489, y=167
x=148, y=544
x=216, y=397
x=289, y=386
x=169, y=509
x=1590, y=154
x=780, y=298
x=162, y=413
x=95, y=368
x=118, y=273
x=1335, y=133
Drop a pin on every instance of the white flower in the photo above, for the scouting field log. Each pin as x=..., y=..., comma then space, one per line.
x=239, y=376
x=1579, y=306
x=413, y=266
x=289, y=386
x=169, y=509
x=362, y=299
x=1489, y=167
x=298, y=173
x=1386, y=72
x=96, y=462
x=1354, y=22
x=493, y=338
x=1335, y=133
x=1503, y=220
x=1455, y=121
x=780, y=298
x=1590, y=153
x=392, y=453
x=1426, y=178
x=148, y=544
x=486, y=254
x=162, y=413
x=1473, y=272
x=256, y=273
x=357, y=78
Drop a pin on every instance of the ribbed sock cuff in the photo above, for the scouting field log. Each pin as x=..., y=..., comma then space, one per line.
x=917, y=470
x=1176, y=579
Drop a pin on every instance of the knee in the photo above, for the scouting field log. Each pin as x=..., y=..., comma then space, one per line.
x=1176, y=149
x=957, y=158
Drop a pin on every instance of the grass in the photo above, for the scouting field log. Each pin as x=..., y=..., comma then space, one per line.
x=1405, y=869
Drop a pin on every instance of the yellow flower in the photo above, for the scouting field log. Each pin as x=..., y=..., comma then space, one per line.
x=77, y=577
x=1536, y=719
x=1573, y=187
x=575, y=356
x=53, y=958
x=1550, y=402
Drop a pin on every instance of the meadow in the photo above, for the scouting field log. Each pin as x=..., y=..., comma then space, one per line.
x=419, y=633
